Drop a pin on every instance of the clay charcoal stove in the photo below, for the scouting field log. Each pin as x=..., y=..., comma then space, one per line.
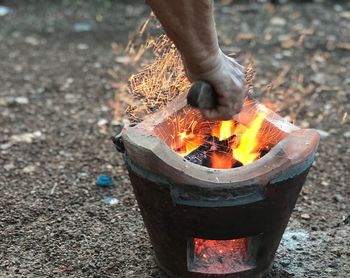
x=216, y=197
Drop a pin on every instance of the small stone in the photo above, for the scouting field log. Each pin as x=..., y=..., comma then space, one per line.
x=338, y=198
x=318, y=78
x=83, y=175
x=5, y=146
x=21, y=100
x=305, y=216
x=29, y=169
x=22, y=138
x=325, y=183
x=9, y=167
x=338, y=8
x=278, y=21
x=18, y=68
x=278, y=56
x=65, y=153
x=102, y=122
x=345, y=15
x=287, y=53
x=110, y=201
x=323, y=134
x=25, y=137
x=285, y=263
x=327, y=106
x=347, y=134
x=82, y=46
x=3, y=101
x=123, y=59
x=31, y=41
x=82, y=27
x=69, y=81
x=4, y=10
x=37, y=133
x=70, y=98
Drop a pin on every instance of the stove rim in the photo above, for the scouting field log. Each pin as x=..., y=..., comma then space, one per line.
x=145, y=149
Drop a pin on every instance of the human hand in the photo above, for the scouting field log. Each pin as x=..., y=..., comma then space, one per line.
x=226, y=76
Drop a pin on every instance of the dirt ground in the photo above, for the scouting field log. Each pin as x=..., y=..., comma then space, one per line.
x=54, y=142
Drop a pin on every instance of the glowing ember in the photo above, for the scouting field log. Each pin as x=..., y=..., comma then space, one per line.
x=219, y=256
x=209, y=248
x=221, y=160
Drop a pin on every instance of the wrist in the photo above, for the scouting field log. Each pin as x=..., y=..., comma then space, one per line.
x=202, y=62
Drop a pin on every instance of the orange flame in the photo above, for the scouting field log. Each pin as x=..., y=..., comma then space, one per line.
x=187, y=138
x=245, y=142
x=224, y=131
x=247, y=150
x=221, y=160
x=189, y=142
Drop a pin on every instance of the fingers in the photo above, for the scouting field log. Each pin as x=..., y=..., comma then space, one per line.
x=228, y=81
x=217, y=114
x=222, y=113
x=228, y=106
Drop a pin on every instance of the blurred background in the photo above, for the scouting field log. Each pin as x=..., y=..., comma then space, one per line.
x=64, y=68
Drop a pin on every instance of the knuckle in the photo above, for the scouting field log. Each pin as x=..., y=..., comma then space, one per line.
x=207, y=114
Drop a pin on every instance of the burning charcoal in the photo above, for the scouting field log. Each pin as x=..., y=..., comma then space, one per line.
x=214, y=154
x=263, y=152
x=199, y=155
x=237, y=164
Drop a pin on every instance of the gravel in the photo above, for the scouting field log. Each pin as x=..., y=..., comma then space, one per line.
x=56, y=96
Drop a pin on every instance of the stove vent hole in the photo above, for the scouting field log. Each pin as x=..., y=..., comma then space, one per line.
x=209, y=256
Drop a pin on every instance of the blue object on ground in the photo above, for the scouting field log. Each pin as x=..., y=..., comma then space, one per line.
x=82, y=27
x=104, y=181
x=4, y=10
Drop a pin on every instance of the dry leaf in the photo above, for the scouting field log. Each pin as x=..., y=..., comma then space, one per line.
x=245, y=36
x=123, y=59
x=344, y=45
x=288, y=43
x=345, y=14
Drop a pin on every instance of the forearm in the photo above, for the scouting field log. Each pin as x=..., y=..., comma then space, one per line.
x=191, y=26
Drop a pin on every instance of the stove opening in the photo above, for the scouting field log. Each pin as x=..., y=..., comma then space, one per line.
x=222, y=144
x=209, y=256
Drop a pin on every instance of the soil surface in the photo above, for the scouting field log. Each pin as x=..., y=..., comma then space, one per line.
x=55, y=120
